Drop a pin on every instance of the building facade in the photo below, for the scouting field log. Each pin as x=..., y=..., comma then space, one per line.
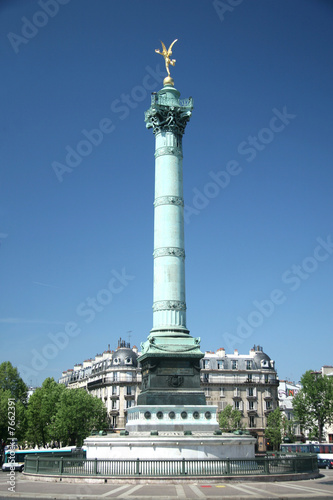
x=328, y=429
x=287, y=392
x=113, y=376
x=247, y=382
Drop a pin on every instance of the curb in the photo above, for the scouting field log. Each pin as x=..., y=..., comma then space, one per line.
x=153, y=480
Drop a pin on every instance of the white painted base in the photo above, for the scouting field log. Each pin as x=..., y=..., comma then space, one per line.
x=175, y=447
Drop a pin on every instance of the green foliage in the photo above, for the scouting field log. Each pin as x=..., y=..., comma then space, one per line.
x=274, y=429
x=12, y=413
x=10, y=380
x=42, y=408
x=230, y=419
x=313, y=405
x=56, y=413
x=289, y=429
x=78, y=413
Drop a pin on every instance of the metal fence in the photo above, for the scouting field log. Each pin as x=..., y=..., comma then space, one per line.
x=171, y=468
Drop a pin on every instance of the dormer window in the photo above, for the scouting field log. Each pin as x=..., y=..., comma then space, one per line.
x=234, y=364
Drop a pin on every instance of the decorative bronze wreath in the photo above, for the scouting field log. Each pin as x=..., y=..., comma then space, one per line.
x=175, y=381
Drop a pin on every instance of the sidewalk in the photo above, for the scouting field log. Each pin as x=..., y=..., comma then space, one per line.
x=190, y=490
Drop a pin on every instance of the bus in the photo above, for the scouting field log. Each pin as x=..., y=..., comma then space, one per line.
x=14, y=459
x=324, y=451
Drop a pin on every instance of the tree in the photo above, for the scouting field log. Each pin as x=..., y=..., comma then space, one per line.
x=13, y=400
x=274, y=429
x=42, y=408
x=78, y=413
x=313, y=405
x=230, y=419
x=288, y=429
x=10, y=380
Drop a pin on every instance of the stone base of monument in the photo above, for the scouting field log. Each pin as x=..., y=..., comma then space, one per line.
x=170, y=433
x=179, y=418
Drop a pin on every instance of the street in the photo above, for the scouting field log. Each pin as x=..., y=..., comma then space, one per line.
x=186, y=490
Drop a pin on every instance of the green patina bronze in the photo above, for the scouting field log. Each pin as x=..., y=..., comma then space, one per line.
x=170, y=357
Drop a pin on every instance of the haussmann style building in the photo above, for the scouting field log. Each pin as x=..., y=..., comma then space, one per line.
x=247, y=382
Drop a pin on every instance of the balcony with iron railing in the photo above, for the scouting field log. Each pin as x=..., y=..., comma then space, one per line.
x=162, y=100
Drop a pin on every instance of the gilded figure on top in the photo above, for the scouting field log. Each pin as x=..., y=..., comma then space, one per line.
x=166, y=54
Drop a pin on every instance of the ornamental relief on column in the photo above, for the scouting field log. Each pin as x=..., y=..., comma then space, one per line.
x=169, y=150
x=172, y=305
x=169, y=119
x=169, y=200
x=169, y=251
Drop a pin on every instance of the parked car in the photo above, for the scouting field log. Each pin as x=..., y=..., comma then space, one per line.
x=325, y=463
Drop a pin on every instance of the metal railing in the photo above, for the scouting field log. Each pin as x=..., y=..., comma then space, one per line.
x=303, y=463
x=161, y=100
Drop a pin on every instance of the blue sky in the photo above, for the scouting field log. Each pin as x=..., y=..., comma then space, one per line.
x=77, y=177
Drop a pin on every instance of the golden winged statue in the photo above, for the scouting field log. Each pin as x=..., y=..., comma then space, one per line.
x=166, y=54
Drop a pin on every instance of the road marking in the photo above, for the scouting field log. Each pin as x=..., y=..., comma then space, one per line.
x=180, y=491
x=114, y=491
x=304, y=488
x=255, y=493
x=258, y=491
x=220, y=486
x=196, y=490
x=129, y=492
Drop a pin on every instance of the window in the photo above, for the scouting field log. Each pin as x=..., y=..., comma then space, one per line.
x=236, y=392
x=114, y=404
x=249, y=365
x=250, y=392
x=268, y=405
x=222, y=392
x=207, y=391
x=114, y=390
x=252, y=422
x=251, y=405
x=221, y=405
x=115, y=376
x=249, y=377
x=128, y=390
x=266, y=379
x=220, y=365
x=205, y=363
x=234, y=364
x=238, y=405
x=128, y=403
